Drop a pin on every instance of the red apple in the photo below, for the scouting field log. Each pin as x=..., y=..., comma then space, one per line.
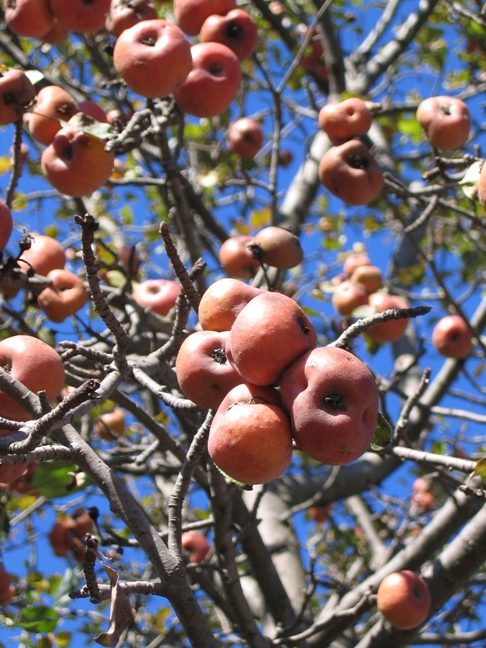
x=446, y=122
x=10, y=473
x=159, y=295
x=236, y=259
x=452, y=337
x=191, y=14
x=244, y=137
x=278, y=247
x=52, y=105
x=57, y=33
x=65, y=296
x=394, y=329
x=93, y=109
x=332, y=399
x=404, y=599
x=45, y=254
x=222, y=301
x=153, y=57
x=353, y=261
x=237, y=30
x=6, y=225
x=344, y=120
x=30, y=18
x=349, y=295
x=16, y=93
x=81, y=15
x=369, y=276
x=124, y=14
x=196, y=543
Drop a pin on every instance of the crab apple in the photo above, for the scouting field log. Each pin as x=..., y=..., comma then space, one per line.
x=452, y=337
x=66, y=295
x=76, y=163
x=394, y=329
x=446, y=122
x=153, y=57
x=23, y=483
x=93, y=110
x=212, y=83
x=344, y=120
x=160, y=295
x=124, y=14
x=250, y=438
x=111, y=424
x=203, y=371
x=245, y=138
x=29, y=18
x=350, y=172
x=269, y=333
x=6, y=224
x=222, y=301
x=237, y=30
x=59, y=537
x=278, y=247
x=191, y=14
x=81, y=15
x=56, y=34
x=353, y=261
x=236, y=259
x=52, y=105
x=369, y=276
x=5, y=586
x=82, y=523
x=196, y=544
x=44, y=255
x=36, y=365
x=10, y=473
x=332, y=399
x=404, y=599
x=16, y=93
x=349, y=295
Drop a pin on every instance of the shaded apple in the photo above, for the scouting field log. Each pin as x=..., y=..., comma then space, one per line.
x=80, y=15
x=52, y=105
x=66, y=295
x=236, y=29
x=196, y=544
x=236, y=258
x=446, y=121
x=278, y=247
x=191, y=14
x=244, y=137
x=44, y=255
x=394, y=329
x=16, y=93
x=349, y=295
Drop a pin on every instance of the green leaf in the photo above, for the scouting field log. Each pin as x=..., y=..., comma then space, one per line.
x=39, y=618
x=55, y=479
x=382, y=435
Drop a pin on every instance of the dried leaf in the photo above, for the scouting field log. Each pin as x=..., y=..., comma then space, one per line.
x=121, y=612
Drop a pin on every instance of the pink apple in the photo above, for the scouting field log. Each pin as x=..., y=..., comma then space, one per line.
x=159, y=295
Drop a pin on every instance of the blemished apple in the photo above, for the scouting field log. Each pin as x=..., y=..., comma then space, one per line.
x=237, y=30
x=446, y=122
x=349, y=295
x=124, y=14
x=44, y=255
x=245, y=137
x=353, y=261
x=404, y=599
x=452, y=337
x=250, y=438
x=66, y=295
x=332, y=400
x=191, y=14
x=29, y=18
x=153, y=57
x=159, y=295
x=222, y=301
x=79, y=15
x=236, y=258
x=196, y=544
x=394, y=329
x=6, y=224
x=33, y=363
x=350, y=172
x=16, y=93
x=344, y=120
x=203, y=371
x=369, y=276
x=52, y=105
x=212, y=83
x=269, y=333
x=278, y=247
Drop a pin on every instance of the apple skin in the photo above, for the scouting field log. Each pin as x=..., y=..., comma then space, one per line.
x=353, y=261
x=16, y=93
x=196, y=543
x=422, y=496
x=344, y=120
x=5, y=586
x=203, y=371
x=245, y=138
x=236, y=259
x=111, y=425
x=66, y=296
x=6, y=224
x=452, y=337
x=350, y=172
x=190, y=15
x=10, y=473
x=280, y=248
x=44, y=255
x=213, y=82
x=269, y=333
x=76, y=163
x=394, y=329
x=446, y=122
x=36, y=365
x=57, y=33
x=404, y=599
x=53, y=104
x=123, y=15
x=222, y=301
x=349, y=295
x=79, y=15
x=369, y=276
x=29, y=18
x=237, y=30
x=93, y=109
x=332, y=400
x=250, y=438
x=159, y=295
x=153, y=58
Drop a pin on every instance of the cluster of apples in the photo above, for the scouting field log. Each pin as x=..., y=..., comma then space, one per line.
x=66, y=533
x=7, y=588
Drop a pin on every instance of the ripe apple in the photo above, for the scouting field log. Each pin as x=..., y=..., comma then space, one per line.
x=191, y=14
x=236, y=259
x=245, y=137
x=159, y=295
x=320, y=514
x=124, y=14
x=76, y=163
x=59, y=538
x=369, y=276
x=269, y=333
x=422, y=496
x=394, y=329
x=16, y=93
x=23, y=483
x=80, y=15
x=82, y=523
x=353, y=261
x=111, y=425
x=446, y=122
x=350, y=172
x=65, y=296
x=36, y=365
x=237, y=30
x=56, y=34
x=349, y=295
x=344, y=120
x=332, y=400
x=203, y=371
x=52, y=104
x=45, y=254
x=29, y=18
x=250, y=438
x=153, y=58
x=196, y=543
x=213, y=82
x=5, y=587
x=278, y=247
x=404, y=599
x=6, y=225
x=452, y=337
x=93, y=109
x=10, y=473
x=222, y=301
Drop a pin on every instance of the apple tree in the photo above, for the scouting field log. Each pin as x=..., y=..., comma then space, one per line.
x=173, y=473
